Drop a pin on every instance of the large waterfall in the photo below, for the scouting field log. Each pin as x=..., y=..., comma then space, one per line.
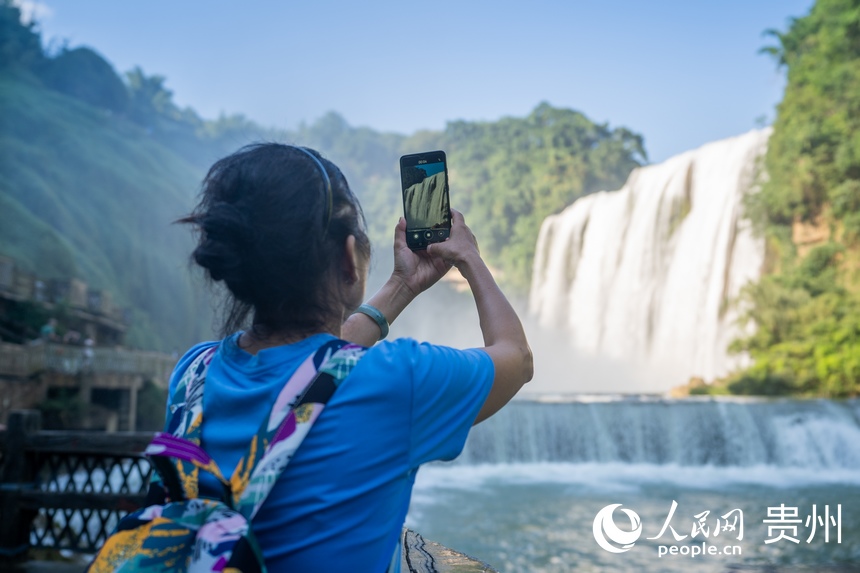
x=649, y=274
x=786, y=433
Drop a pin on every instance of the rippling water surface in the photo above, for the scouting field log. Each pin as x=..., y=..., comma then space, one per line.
x=521, y=499
x=539, y=517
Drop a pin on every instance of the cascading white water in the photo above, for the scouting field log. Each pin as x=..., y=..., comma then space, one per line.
x=648, y=274
x=805, y=434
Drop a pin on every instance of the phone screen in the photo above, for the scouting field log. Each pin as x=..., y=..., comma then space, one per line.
x=424, y=177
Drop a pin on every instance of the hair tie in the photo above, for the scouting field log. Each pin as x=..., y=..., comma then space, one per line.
x=328, y=196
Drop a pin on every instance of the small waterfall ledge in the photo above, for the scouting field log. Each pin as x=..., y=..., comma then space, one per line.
x=818, y=435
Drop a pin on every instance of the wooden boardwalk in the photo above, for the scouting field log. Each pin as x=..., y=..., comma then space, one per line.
x=18, y=360
x=106, y=378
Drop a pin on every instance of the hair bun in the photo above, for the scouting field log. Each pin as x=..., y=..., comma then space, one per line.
x=274, y=232
x=224, y=245
x=225, y=222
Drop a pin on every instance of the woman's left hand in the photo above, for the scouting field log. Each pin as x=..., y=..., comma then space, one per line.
x=416, y=270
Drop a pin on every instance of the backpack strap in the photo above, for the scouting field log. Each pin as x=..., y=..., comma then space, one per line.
x=180, y=473
x=178, y=457
x=297, y=408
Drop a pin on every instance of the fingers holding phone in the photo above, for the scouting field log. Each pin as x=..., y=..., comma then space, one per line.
x=461, y=244
x=415, y=269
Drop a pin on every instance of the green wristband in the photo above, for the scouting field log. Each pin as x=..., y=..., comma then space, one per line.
x=377, y=317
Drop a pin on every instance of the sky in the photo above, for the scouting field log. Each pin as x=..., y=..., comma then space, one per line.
x=679, y=72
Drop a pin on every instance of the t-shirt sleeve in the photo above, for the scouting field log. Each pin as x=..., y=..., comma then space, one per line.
x=449, y=386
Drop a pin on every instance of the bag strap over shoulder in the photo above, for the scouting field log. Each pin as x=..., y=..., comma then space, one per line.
x=179, y=473
x=290, y=421
x=178, y=456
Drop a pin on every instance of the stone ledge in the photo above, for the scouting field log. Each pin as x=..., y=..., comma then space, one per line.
x=422, y=556
x=418, y=556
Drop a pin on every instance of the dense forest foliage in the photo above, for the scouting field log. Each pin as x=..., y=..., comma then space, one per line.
x=806, y=308
x=509, y=175
x=94, y=165
x=506, y=176
x=85, y=193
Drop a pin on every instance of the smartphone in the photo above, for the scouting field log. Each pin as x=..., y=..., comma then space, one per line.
x=426, y=207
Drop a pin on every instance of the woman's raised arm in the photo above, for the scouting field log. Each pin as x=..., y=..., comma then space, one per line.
x=504, y=338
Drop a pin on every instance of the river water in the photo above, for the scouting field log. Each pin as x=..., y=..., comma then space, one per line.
x=525, y=493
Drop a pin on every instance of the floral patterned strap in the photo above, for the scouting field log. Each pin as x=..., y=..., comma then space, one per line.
x=184, y=421
x=194, y=378
x=171, y=446
x=298, y=406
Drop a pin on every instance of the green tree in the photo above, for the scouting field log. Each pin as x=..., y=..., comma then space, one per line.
x=813, y=158
x=20, y=44
x=149, y=98
x=83, y=74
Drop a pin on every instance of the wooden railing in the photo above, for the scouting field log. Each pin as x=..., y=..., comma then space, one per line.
x=24, y=360
x=68, y=490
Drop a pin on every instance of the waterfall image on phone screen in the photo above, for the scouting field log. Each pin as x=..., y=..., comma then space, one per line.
x=424, y=199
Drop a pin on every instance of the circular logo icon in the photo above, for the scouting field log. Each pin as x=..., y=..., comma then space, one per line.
x=609, y=536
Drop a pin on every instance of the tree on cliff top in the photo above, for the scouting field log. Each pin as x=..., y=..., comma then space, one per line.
x=20, y=43
x=814, y=155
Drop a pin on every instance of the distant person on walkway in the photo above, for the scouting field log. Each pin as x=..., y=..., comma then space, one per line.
x=280, y=227
x=48, y=332
x=88, y=353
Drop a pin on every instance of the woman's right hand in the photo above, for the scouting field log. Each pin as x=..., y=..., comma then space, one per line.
x=461, y=244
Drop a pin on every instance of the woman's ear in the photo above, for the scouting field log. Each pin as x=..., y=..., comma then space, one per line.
x=350, y=265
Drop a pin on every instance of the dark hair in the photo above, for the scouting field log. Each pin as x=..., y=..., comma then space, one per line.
x=267, y=233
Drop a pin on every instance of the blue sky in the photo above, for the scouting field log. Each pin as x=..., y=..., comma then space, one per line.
x=681, y=73
x=432, y=168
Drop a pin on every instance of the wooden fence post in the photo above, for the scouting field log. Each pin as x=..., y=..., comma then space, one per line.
x=18, y=472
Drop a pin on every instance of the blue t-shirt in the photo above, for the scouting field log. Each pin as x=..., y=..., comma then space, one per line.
x=342, y=501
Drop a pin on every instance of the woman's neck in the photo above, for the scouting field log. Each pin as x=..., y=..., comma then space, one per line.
x=257, y=338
